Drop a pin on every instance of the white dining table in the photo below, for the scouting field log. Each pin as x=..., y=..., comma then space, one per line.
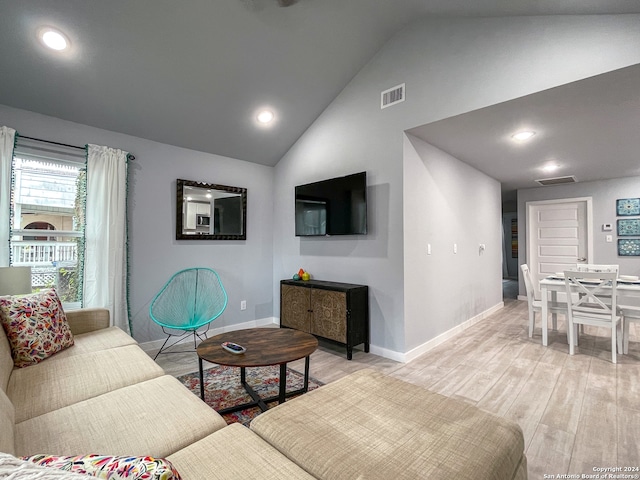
x=550, y=286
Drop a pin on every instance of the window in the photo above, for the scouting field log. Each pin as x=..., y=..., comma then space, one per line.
x=47, y=217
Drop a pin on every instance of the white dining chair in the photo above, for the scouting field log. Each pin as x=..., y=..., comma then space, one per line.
x=630, y=314
x=595, y=305
x=595, y=267
x=535, y=304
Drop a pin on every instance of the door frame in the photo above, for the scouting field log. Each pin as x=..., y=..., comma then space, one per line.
x=589, y=219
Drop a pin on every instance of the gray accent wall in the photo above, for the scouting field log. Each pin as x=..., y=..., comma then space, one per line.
x=245, y=267
x=447, y=203
x=604, y=194
x=449, y=66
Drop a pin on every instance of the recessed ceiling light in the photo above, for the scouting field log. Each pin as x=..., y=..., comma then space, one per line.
x=53, y=39
x=523, y=135
x=552, y=167
x=265, y=116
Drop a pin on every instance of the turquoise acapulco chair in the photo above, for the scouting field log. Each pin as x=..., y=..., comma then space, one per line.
x=190, y=300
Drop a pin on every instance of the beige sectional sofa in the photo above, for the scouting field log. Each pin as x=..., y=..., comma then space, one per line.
x=104, y=395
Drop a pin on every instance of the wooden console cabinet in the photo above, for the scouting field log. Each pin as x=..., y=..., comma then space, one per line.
x=331, y=310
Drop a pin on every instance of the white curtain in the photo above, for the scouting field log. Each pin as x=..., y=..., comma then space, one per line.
x=7, y=136
x=105, y=264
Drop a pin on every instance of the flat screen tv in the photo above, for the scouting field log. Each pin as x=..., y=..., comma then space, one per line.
x=337, y=206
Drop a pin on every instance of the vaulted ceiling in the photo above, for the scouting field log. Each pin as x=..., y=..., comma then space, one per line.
x=586, y=129
x=194, y=73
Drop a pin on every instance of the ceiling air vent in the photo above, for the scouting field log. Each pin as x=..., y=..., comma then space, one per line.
x=392, y=96
x=557, y=180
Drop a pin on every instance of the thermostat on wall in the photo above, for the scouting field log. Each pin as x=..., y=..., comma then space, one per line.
x=607, y=227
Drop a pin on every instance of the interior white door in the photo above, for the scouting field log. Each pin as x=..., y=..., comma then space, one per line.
x=558, y=235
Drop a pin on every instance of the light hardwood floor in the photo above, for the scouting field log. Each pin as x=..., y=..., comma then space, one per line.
x=577, y=412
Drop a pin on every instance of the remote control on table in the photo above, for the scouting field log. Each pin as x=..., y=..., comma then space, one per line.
x=233, y=347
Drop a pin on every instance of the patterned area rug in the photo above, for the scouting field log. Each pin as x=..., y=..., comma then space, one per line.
x=223, y=389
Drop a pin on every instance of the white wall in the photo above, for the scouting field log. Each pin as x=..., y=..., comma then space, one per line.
x=448, y=202
x=245, y=267
x=604, y=194
x=450, y=66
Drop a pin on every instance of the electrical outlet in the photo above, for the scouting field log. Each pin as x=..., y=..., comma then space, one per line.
x=455, y=248
x=243, y=305
x=428, y=249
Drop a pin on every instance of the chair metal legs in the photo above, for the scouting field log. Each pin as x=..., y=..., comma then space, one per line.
x=181, y=337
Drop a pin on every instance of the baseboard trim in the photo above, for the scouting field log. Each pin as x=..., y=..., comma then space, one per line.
x=386, y=353
x=434, y=342
x=155, y=345
x=407, y=357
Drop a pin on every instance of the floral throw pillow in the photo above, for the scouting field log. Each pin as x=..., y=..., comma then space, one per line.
x=110, y=467
x=36, y=326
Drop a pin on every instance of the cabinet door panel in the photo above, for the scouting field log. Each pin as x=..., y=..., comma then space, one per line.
x=295, y=308
x=329, y=316
x=203, y=209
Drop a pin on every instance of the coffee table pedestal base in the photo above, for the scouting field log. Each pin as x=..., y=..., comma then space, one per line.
x=257, y=401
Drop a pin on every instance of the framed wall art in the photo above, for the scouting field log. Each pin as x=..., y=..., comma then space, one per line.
x=629, y=227
x=626, y=207
x=629, y=247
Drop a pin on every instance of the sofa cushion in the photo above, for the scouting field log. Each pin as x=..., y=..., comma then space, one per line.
x=110, y=467
x=368, y=425
x=50, y=385
x=156, y=417
x=36, y=326
x=13, y=468
x=104, y=339
x=235, y=452
x=7, y=420
x=86, y=320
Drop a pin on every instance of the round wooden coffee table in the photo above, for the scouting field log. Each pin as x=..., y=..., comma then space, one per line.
x=265, y=346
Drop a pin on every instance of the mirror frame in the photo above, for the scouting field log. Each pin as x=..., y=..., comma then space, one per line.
x=180, y=220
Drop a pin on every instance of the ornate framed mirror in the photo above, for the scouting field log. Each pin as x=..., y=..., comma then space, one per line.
x=206, y=211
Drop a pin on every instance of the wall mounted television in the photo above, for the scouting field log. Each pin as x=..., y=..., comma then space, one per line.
x=337, y=206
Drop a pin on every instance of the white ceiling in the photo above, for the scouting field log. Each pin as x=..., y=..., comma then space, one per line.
x=193, y=73
x=589, y=128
